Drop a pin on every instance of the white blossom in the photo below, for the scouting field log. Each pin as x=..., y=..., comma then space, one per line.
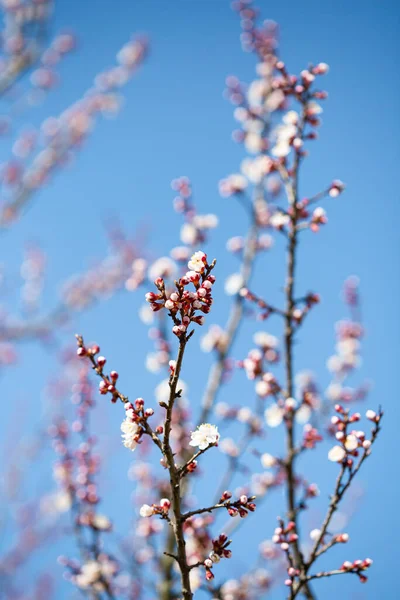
x=265, y=340
x=89, y=574
x=204, y=435
x=334, y=391
x=152, y=362
x=101, y=522
x=303, y=414
x=163, y=390
x=284, y=135
x=188, y=234
x=274, y=415
x=268, y=461
x=253, y=143
x=314, y=534
x=146, y=315
x=130, y=430
x=209, y=221
x=228, y=446
x=163, y=267
x=233, y=284
x=146, y=510
x=232, y=184
x=279, y=220
x=197, y=262
x=215, y=337
x=255, y=169
x=58, y=502
x=351, y=442
x=336, y=454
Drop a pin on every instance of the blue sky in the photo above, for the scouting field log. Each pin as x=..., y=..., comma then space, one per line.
x=176, y=122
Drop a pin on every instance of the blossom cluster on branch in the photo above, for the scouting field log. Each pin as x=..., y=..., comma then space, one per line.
x=186, y=521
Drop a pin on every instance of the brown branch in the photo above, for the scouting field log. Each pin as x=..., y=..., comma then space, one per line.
x=340, y=490
x=227, y=504
x=183, y=470
x=291, y=186
x=174, y=474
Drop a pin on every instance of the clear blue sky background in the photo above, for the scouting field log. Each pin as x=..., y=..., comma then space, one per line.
x=176, y=122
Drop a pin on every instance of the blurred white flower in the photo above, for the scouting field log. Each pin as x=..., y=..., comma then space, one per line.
x=336, y=454
x=233, y=284
x=274, y=415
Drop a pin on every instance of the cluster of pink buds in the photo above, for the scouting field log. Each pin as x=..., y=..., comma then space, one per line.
x=240, y=507
x=255, y=367
x=284, y=536
x=351, y=442
x=292, y=573
x=135, y=420
x=108, y=382
x=311, y=437
x=318, y=218
x=357, y=567
x=162, y=509
x=194, y=230
x=183, y=304
x=62, y=136
x=220, y=550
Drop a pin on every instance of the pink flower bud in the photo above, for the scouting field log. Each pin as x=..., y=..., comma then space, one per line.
x=165, y=504
x=355, y=417
x=226, y=495
x=103, y=387
x=368, y=562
